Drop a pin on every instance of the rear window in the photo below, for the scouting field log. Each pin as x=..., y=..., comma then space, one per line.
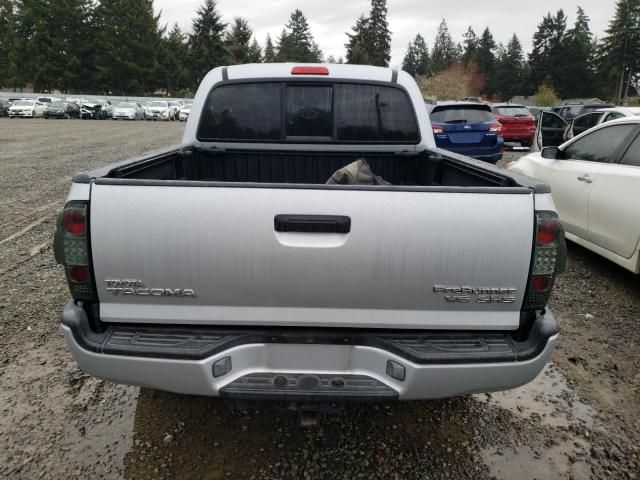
x=512, y=111
x=462, y=114
x=348, y=113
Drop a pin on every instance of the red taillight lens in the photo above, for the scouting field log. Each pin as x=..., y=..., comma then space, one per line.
x=547, y=231
x=74, y=222
x=548, y=260
x=438, y=130
x=498, y=129
x=541, y=283
x=309, y=71
x=71, y=247
x=79, y=274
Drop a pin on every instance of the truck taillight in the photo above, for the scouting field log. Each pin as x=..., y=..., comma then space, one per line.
x=71, y=246
x=549, y=258
x=498, y=129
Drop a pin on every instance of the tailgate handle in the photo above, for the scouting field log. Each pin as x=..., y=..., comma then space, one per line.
x=312, y=223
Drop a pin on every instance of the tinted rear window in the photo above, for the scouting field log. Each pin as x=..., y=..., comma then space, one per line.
x=461, y=114
x=348, y=113
x=309, y=111
x=369, y=113
x=512, y=111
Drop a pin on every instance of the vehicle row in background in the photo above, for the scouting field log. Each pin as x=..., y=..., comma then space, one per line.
x=480, y=129
x=54, y=107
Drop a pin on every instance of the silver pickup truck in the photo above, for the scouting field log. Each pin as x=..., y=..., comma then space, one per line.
x=228, y=266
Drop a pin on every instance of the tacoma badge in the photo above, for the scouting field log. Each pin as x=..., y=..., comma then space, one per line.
x=137, y=288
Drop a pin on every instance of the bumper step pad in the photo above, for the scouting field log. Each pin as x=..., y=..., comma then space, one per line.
x=200, y=342
x=307, y=388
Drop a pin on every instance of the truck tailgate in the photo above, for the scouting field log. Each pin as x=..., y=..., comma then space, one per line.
x=411, y=259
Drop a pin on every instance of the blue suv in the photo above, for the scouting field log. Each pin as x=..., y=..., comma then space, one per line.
x=468, y=128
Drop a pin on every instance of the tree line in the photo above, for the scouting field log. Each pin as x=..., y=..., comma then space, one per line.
x=112, y=46
x=565, y=61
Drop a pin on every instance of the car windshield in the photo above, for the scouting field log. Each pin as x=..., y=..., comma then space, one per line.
x=56, y=105
x=158, y=104
x=24, y=103
x=512, y=111
x=125, y=105
x=461, y=114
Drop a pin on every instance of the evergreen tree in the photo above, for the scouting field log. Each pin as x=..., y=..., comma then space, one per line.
x=445, y=52
x=357, y=52
x=485, y=59
x=126, y=48
x=206, y=43
x=10, y=74
x=485, y=53
x=470, y=46
x=370, y=42
x=269, y=51
x=510, y=70
x=238, y=42
x=377, y=39
x=255, y=52
x=285, y=50
x=51, y=39
x=410, y=61
x=299, y=44
x=619, y=53
x=547, y=57
x=416, y=61
x=172, y=66
x=576, y=77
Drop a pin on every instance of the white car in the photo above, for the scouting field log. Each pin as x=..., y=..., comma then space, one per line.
x=589, y=120
x=184, y=112
x=160, y=110
x=128, y=111
x=47, y=100
x=26, y=108
x=595, y=184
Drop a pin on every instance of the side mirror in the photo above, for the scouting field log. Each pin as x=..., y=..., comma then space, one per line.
x=552, y=153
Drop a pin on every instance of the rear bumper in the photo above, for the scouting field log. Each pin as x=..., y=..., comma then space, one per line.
x=297, y=365
x=519, y=135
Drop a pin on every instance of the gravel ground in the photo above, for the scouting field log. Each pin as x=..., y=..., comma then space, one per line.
x=578, y=420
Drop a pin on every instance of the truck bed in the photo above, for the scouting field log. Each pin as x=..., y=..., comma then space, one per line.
x=426, y=169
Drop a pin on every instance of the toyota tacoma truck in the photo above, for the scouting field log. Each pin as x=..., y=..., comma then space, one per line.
x=229, y=266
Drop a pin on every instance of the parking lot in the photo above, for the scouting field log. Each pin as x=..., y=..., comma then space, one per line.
x=580, y=419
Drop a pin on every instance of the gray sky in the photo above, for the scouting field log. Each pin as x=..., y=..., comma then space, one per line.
x=330, y=19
